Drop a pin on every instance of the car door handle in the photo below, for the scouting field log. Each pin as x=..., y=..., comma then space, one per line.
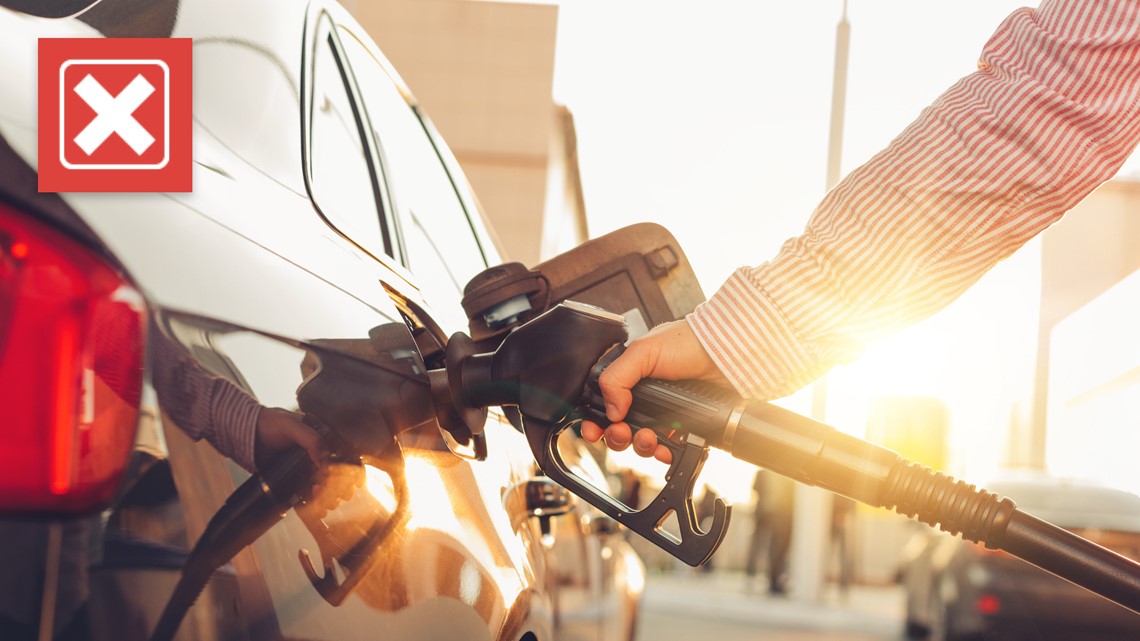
x=544, y=497
x=600, y=524
x=541, y=498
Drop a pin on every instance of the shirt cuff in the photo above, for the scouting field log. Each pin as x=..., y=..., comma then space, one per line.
x=750, y=340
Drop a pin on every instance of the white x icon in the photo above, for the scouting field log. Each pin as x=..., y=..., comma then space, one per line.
x=114, y=114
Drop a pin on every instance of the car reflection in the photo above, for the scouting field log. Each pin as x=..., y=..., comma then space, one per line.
x=369, y=399
x=958, y=590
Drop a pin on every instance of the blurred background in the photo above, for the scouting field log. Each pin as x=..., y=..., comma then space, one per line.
x=717, y=120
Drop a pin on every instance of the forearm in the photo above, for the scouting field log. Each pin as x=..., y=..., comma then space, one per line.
x=1051, y=113
x=233, y=424
x=205, y=406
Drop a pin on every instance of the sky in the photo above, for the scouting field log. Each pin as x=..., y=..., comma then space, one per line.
x=711, y=118
x=715, y=114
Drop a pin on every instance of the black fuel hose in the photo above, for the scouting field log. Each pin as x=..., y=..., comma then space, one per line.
x=253, y=508
x=811, y=452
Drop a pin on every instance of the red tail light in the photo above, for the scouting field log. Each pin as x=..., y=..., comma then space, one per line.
x=71, y=350
x=988, y=604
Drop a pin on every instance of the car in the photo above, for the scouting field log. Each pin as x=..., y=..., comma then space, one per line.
x=314, y=273
x=957, y=590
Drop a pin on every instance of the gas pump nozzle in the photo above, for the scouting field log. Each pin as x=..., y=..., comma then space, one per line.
x=544, y=368
x=549, y=368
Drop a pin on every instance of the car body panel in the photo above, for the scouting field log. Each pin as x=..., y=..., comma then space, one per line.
x=593, y=600
x=247, y=285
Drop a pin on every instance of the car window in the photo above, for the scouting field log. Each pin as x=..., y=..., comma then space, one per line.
x=252, y=107
x=341, y=178
x=439, y=241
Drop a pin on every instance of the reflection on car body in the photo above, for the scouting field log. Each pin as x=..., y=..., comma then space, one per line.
x=321, y=278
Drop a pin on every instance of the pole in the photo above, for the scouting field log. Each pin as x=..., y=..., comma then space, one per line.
x=811, y=547
x=838, y=99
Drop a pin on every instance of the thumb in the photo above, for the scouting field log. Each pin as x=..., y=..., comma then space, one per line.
x=618, y=379
x=308, y=438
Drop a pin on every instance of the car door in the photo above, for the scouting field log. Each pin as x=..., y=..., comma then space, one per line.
x=416, y=544
x=236, y=303
x=443, y=247
x=456, y=563
x=269, y=295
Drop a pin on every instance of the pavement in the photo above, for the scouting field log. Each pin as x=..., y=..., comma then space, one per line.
x=727, y=606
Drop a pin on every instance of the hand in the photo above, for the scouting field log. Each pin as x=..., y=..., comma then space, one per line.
x=338, y=482
x=672, y=352
x=279, y=429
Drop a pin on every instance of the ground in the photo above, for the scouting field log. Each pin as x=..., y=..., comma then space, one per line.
x=690, y=606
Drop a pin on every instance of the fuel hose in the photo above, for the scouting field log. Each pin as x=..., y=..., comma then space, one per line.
x=808, y=451
x=253, y=508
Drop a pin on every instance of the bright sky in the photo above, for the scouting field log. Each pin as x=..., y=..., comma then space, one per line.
x=712, y=118
x=715, y=114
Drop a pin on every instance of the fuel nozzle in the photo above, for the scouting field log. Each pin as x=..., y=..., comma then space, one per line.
x=545, y=368
x=550, y=367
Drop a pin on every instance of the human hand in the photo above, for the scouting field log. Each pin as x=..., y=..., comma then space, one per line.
x=337, y=483
x=670, y=351
x=279, y=429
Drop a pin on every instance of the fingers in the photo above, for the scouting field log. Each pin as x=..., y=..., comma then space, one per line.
x=277, y=429
x=308, y=438
x=671, y=351
x=295, y=432
x=645, y=442
x=618, y=436
x=337, y=484
x=592, y=432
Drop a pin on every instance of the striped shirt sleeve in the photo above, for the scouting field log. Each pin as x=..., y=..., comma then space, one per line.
x=1052, y=112
x=203, y=405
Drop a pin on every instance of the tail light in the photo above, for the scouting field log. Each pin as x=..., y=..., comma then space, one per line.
x=71, y=352
x=988, y=604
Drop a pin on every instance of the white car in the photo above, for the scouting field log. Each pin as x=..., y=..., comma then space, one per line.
x=317, y=266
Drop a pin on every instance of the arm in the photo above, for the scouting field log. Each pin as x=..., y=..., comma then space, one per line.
x=209, y=407
x=1051, y=113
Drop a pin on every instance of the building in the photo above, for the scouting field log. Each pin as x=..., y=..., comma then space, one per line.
x=483, y=71
x=1086, y=418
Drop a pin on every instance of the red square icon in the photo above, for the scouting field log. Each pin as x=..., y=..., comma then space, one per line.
x=115, y=114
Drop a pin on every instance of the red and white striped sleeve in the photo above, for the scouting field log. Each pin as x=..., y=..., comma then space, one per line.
x=1052, y=112
x=203, y=405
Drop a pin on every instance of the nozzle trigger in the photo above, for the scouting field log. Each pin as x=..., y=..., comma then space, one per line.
x=693, y=545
